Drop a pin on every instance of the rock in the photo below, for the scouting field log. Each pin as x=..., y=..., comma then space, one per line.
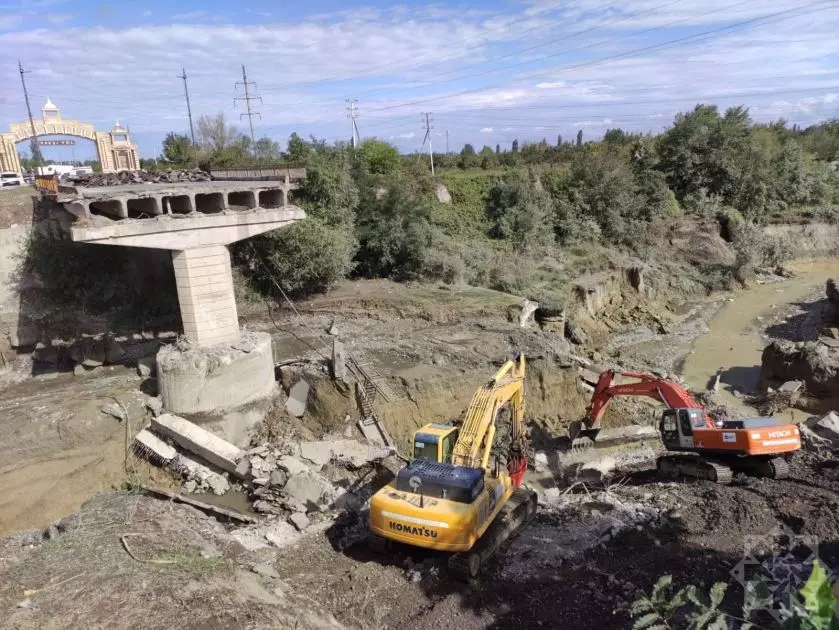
x=25, y=603
x=438, y=359
x=578, y=336
x=333, y=329
x=190, y=486
x=46, y=354
x=298, y=396
x=265, y=570
x=443, y=195
x=243, y=468
x=541, y=461
x=89, y=352
x=155, y=405
x=115, y=410
x=266, y=507
x=23, y=335
x=310, y=489
x=299, y=520
x=791, y=387
x=143, y=370
x=339, y=361
x=218, y=484
x=114, y=352
x=278, y=478
x=79, y=370
x=528, y=308
x=826, y=427
x=260, y=451
x=261, y=481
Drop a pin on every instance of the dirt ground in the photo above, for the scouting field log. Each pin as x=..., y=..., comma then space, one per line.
x=579, y=564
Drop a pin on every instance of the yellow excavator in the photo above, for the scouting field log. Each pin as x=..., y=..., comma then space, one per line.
x=462, y=491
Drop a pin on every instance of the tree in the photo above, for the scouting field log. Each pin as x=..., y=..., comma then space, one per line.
x=304, y=258
x=497, y=148
x=559, y=140
x=214, y=134
x=394, y=233
x=177, y=149
x=522, y=213
x=580, y=138
x=515, y=148
x=298, y=150
x=468, y=157
x=378, y=157
x=267, y=149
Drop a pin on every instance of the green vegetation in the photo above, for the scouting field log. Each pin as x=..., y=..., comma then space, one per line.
x=525, y=221
x=812, y=608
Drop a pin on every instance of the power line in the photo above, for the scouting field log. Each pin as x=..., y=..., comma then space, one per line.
x=680, y=40
x=188, y=107
x=37, y=158
x=248, y=98
x=352, y=112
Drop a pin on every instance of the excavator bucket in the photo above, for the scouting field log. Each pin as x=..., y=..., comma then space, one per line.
x=581, y=435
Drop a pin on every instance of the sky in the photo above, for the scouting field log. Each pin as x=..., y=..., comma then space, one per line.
x=488, y=71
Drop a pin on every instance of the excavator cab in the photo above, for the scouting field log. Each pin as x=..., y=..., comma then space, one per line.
x=677, y=426
x=435, y=442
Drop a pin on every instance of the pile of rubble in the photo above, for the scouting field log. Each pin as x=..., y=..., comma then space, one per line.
x=137, y=177
x=293, y=480
x=88, y=353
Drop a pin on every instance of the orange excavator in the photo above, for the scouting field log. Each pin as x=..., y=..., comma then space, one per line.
x=709, y=448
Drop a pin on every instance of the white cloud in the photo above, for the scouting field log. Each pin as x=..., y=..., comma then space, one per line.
x=486, y=130
x=550, y=85
x=147, y=13
x=407, y=136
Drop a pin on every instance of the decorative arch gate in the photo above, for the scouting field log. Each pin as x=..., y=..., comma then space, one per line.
x=115, y=150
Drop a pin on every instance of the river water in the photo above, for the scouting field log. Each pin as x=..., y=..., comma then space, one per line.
x=734, y=343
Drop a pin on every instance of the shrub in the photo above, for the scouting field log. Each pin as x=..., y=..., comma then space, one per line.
x=303, y=258
x=522, y=213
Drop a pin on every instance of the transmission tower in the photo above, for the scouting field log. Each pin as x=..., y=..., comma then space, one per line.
x=188, y=108
x=37, y=158
x=428, y=127
x=352, y=114
x=248, y=98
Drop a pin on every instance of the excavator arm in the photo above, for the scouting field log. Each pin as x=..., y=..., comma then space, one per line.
x=649, y=385
x=474, y=444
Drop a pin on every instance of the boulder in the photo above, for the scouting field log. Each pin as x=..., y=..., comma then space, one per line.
x=578, y=336
x=291, y=465
x=528, y=308
x=339, y=360
x=349, y=452
x=443, y=194
x=826, y=427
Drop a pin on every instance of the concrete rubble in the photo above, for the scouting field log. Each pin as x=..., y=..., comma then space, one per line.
x=138, y=177
x=826, y=428
x=194, y=439
x=298, y=397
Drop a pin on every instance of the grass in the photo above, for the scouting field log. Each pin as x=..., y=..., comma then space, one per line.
x=189, y=560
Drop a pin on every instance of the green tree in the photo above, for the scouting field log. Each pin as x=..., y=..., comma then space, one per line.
x=394, y=233
x=522, y=213
x=515, y=147
x=306, y=257
x=497, y=148
x=329, y=191
x=580, y=138
x=559, y=140
x=177, y=149
x=298, y=150
x=468, y=157
x=378, y=157
x=267, y=149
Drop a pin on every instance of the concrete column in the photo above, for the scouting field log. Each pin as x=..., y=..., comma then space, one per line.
x=205, y=294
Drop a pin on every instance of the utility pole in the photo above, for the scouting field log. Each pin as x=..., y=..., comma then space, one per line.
x=37, y=158
x=188, y=108
x=428, y=127
x=248, y=98
x=352, y=114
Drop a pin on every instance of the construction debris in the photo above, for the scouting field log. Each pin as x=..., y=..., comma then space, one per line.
x=339, y=360
x=299, y=520
x=136, y=177
x=193, y=438
x=298, y=396
x=115, y=410
x=151, y=448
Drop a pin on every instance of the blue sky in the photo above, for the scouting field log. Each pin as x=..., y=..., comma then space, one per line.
x=490, y=72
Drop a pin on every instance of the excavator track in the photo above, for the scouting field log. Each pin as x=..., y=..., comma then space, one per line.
x=694, y=466
x=518, y=512
x=774, y=468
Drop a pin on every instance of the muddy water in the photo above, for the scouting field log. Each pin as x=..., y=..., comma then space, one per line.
x=734, y=343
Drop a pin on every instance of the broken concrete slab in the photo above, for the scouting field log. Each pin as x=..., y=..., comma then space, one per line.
x=826, y=427
x=278, y=478
x=310, y=489
x=190, y=436
x=790, y=387
x=151, y=448
x=349, y=452
x=155, y=405
x=339, y=360
x=299, y=520
x=243, y=468
x=298, y=397
x=291, y=465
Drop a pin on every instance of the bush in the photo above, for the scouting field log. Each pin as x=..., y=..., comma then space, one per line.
x=329, y=191
x=303, y=258
x=394, y=233
x=522, y=213
x=378, y=158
